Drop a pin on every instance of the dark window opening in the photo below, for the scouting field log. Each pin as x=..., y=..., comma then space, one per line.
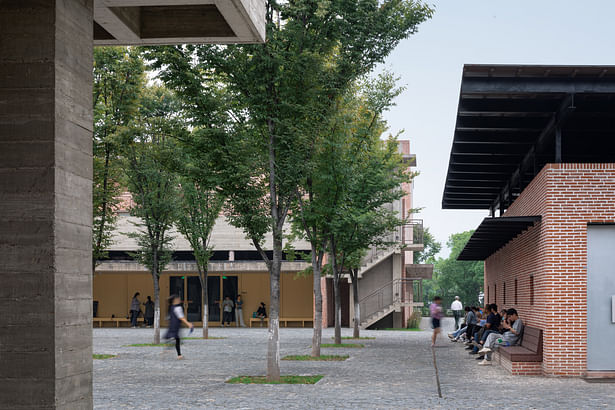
x=504, y=297
x=516, y=294
x=531, y=290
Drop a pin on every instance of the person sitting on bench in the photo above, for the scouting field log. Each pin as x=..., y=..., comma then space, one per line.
x=512, y=335
x=261, y=312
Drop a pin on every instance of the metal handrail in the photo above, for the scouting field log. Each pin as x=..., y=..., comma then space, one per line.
x=388, y=294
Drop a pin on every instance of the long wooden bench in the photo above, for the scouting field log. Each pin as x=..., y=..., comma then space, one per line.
x=114, y=320
x=530, y=349
x=284, y=321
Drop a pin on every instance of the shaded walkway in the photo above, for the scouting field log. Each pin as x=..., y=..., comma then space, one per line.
x=392, y=371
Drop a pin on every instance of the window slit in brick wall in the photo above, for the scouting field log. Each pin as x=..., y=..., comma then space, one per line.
x=495, y=293
x=532, y=290
x=487, y=299
x=504, y=298
x=516, y=294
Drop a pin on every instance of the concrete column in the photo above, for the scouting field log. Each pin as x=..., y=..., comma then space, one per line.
x=45, y=204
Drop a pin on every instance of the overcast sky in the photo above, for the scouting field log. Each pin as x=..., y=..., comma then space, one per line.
x=481, y=32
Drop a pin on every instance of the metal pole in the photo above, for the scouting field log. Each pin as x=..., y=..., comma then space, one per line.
x=435, y=366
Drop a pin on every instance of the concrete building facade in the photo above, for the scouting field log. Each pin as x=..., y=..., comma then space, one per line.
x=46, y=175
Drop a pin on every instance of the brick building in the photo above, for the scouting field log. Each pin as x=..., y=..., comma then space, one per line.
x=535, y=144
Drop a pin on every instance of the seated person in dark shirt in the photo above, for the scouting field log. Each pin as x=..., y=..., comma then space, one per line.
x=492, y=325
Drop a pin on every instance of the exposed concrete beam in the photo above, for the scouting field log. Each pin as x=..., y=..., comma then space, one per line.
x=123, y=23
x=143, y=22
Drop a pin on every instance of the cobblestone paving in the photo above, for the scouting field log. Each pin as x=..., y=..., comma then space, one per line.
x=393, y=371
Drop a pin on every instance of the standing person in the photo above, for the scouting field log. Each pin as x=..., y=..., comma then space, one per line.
x=149, y=311
x=457, y=308
x=135, y=309
x=435, y=311
x=227, y=310
x=176, y=317
x=239, y=312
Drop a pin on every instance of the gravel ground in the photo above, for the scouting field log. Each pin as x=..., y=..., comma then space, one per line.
x=393, y=371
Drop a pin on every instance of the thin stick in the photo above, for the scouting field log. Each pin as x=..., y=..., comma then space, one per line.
x=433, y=352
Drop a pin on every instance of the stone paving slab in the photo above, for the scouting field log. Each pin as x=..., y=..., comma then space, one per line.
x=393, y=371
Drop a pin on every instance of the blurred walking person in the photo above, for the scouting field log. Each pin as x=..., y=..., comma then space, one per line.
x=176, y=318
x=435, y=311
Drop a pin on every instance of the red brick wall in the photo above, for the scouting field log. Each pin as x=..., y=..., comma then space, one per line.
x=568, y=196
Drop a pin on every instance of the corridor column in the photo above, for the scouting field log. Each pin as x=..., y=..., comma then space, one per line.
x=45, y=204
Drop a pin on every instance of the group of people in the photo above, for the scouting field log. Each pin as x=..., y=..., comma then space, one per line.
x=135, y=311
x=484, y=330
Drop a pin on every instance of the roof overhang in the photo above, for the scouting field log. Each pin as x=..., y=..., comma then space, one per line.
x=493, y=234
x=514, y=119
x=152, y=22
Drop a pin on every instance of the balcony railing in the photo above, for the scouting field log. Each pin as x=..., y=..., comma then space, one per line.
x=408, y=236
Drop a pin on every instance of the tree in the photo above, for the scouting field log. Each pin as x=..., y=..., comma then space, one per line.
x=282, y=92
x=200, y=205
x=363, y=220
x=118, y=81
x=431, y=248
x=153, y=186
x=457, y=278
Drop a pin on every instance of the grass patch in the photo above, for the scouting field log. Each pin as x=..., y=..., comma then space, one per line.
x=351, y=345
x=355, y=338
x=405, y=329
x=202, y=338
x=103, y=356
x=324, y=358
x=151, y=345
x=283, y=380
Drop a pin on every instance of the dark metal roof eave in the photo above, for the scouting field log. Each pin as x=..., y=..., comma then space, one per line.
x=493, y=234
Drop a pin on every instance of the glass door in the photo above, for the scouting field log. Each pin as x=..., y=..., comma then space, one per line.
x=229, y=288
x=195, y=304
x=213, y=298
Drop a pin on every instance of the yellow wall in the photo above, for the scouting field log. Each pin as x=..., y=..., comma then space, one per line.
x=296, y=295
x=114, y=291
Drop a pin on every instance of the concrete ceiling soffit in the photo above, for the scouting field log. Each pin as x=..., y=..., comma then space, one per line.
x=157, y=22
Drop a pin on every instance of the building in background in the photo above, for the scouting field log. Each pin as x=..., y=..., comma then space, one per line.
x=536, y=145
x=389, y=283
x=235, y=268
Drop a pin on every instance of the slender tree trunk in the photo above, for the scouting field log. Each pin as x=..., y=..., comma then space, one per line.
x=203, y=276
x=337, y=295
x=156, y=307
x=357, y=308
x=103, y=215
x=273, y=345
x=316, y=271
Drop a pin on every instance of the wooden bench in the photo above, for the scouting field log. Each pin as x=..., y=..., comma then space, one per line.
x=530, y=349
x=302, y=320
x=259, y=320
x=113, y=320
x=284, y=321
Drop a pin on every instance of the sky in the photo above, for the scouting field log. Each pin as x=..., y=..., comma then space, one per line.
x=460, y=32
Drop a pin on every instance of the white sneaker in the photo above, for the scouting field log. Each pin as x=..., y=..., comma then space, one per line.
x=450, y=336
x=484, y=362
x=484, y=350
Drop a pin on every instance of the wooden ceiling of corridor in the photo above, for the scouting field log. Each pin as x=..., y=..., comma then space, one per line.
x=151, y=22
x=507, y=120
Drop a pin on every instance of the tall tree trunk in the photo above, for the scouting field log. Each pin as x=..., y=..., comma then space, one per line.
x=273, y=346
x=337, y=295
x=156, y=307
x=357, y=309
x=156, y=276
x=203, y=276
x=103, y=215
x=316, y=271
